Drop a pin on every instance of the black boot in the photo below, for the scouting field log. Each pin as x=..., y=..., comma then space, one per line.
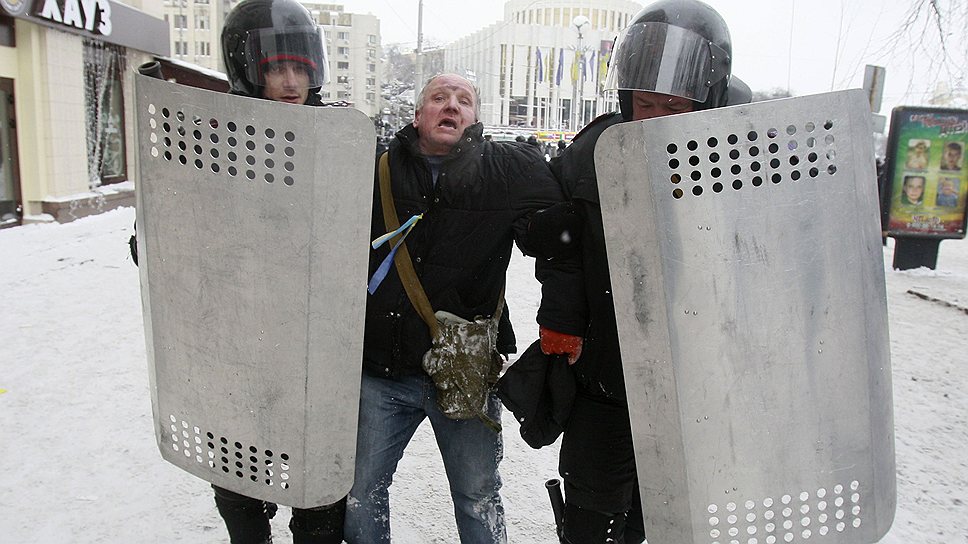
x=321, y=525
x=246, y=519
x=583, y=526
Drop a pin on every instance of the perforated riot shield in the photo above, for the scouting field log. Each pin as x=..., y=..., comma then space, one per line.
x=253, y=222
x=746, y=265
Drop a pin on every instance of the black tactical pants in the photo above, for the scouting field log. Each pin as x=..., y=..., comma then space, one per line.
x=597, y=464
x=247, y=520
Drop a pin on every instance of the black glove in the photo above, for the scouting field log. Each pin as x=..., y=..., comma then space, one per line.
x=555, y=231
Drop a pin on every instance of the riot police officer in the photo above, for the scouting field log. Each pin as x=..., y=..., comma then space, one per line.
x=273, y=49
x=673, y=58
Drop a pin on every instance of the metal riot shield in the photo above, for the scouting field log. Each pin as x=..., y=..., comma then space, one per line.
x=746, y=264
x=253, y=224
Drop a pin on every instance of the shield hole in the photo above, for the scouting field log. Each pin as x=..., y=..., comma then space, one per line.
x=734, y=154
x=290, y=152
x=165, y=113
x=288, y=180
x=167, y=141
x=696, y=175
x=196, y=120
x=233, y=171
x=714, y=157
x=290, y=137
x=732, y=138
x=795, y=175
x=737, y=184
x=168, y=155
x=752, y=136
x=697, y=190
x=673, y=163
x=672, y=148
x=270, y=148
x=716, y=172
x=677, y=193
x=717, y=187
x=792, y=145
x=250, y=130
x=777, y=178
x=231, y=126
x=270, y=178
x=831, y=154
x=694, y=160
x=676, y=178
x=810, y=127
x=794, y=160
x=757, y=181
x=215, y=167
x=182, y=159
x=774, y=163
x=197, y=134
x=814, y=172
x=812, y=157
x=754, y=151
x=250, y=174
x=755, y=166
x=232, y=156
x=831, y=169
x=773, y=148
x=772, y=133
x=290, y=167
x=199, y=164
x=250, y=160
x=736, y=169
x=180, y=116
x=232, y=141
x=712, y=142
x=197, y=149
x=213, y=122
x=270, y=163
x=250, y=145
x=828, y=139
x=154, y=151
x=828, y=125
x=270, y=133
x=214, y=153
x=214, y=138
x=791, y=130
x=692, y=145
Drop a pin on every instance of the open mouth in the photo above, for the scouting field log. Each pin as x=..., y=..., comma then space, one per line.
x=448, y=123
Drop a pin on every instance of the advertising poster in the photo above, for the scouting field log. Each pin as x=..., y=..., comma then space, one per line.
x=927, y=174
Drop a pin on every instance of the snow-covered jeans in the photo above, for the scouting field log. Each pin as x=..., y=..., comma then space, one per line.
x=390, y=411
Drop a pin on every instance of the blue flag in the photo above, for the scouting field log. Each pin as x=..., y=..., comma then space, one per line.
x=561, y=64
x=540, y=67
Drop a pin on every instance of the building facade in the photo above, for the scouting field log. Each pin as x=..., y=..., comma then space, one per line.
x=533, y=67
x=66, y=120
x=195, y=28
x=355, y=52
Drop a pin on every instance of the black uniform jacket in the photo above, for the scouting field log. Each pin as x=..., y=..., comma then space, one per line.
x=485, y=194
x=599, y=369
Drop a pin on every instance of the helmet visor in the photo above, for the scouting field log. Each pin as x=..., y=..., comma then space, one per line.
x=665, y=59
x=291, y=50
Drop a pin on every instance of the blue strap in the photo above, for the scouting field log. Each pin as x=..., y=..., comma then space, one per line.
x=384, y=268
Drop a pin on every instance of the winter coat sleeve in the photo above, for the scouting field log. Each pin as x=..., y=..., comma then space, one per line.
x=562, y=305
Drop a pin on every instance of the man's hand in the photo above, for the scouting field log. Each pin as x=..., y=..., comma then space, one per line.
x=556, y=343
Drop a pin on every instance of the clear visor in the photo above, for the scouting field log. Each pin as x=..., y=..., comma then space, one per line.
x=665, y=59
x=291, y=51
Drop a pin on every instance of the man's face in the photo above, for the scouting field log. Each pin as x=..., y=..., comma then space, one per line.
x=914, y=188
x=448, y=108
x=286, y=81
x=648, y=105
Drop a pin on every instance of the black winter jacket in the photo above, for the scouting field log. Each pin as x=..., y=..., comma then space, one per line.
x=599, y=369
x=485, y=194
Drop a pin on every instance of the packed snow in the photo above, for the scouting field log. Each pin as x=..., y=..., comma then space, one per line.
x=80, y=464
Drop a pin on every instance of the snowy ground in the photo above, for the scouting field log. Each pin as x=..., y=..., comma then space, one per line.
x=79, y=462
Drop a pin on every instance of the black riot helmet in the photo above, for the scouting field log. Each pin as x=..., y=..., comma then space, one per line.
x=259, y=35
x=675, y=47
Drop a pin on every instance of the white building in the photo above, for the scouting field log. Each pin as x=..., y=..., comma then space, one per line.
x=353, y=45
x=531, y=67
x=195, y=30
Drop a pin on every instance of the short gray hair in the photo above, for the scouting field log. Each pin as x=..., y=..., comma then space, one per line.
x=418, y=103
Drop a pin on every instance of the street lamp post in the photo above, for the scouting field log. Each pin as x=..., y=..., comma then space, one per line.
x=576, y=105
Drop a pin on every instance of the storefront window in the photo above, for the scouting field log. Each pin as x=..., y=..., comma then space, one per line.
x=103, y=66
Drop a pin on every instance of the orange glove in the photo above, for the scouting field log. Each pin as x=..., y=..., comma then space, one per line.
x=556, y=343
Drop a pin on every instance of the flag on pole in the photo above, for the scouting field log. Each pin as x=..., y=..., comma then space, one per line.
x=561, y=66
x=578, y=61
x=540, y=77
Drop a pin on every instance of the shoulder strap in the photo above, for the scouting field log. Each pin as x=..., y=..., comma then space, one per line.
x=408, y=276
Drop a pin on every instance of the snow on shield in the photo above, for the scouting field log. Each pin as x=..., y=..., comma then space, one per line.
x=745, y=257
x=253, y=224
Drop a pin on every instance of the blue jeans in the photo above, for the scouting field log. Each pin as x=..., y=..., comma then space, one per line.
x=390, y=411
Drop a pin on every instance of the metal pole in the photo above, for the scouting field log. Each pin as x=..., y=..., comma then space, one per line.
x=418, y=75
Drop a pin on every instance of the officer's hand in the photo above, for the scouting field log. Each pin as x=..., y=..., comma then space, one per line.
x=556, y=343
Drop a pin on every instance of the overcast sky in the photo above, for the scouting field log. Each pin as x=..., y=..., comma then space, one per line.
x=808, y=46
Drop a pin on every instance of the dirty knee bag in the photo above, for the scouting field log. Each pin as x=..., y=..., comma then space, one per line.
x=464, y=364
